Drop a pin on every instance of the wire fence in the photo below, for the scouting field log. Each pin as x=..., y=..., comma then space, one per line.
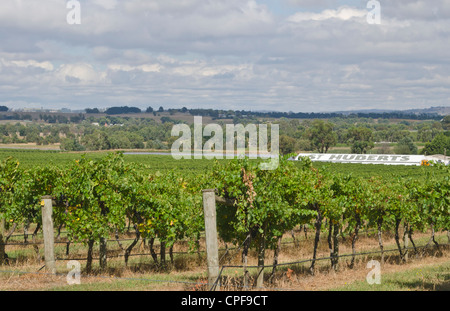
x=226, y=251
x=218, y=283
x=66, y=243
x=333, y=257
x=149, y=280
x=303, y=261
x=27, y=243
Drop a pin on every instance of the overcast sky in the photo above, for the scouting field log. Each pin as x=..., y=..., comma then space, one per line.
x=286, y=55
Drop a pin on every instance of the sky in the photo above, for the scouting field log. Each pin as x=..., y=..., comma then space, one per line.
x=259, y=55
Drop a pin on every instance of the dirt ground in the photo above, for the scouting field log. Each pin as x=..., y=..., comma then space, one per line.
x=190, y=272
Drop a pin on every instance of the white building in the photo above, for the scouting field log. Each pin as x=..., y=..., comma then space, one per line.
x=387, y=159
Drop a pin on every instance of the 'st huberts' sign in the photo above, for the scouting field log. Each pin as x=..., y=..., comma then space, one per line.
x=366, y=158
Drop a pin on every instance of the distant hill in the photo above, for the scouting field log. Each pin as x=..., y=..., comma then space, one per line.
x=442, y=111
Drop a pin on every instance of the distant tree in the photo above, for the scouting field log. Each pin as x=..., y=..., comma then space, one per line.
x=361, y=139
x=119, y=141
x=76, y=119
x=439, y=145
x=425, y=134
x=62, y=119
x=157, y=144
x=384, y=148
x=33, y=135
x=168, y=119
x=184, y=110
x=69, y=144
x=437, y=125
x=304, y=145
x=3, y=108
x=98, y=140
x=406, y=146
x=136, y=140
x=123, y=110
x=287, y=144
x=446, y=123
x=322, y=136
x=161, y=109
x=93, y=110
x=149, y=110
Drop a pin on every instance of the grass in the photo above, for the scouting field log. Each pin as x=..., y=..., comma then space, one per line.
x=129, y=281
x=189, y=270
x=152, y=282
x=163, y=163
x=435, y=277
x=32, y=158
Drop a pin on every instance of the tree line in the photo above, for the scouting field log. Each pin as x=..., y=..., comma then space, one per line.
x=107, y=132
x=226, y=114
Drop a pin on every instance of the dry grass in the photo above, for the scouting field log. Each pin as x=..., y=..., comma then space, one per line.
x=326, y=279
x=188, y=271
x=33, y=146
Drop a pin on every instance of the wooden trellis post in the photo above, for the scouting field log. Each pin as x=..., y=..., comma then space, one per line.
x=212, y=249
x=2, y=234
x=47, y=228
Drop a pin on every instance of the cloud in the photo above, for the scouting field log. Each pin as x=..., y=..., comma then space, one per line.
x=342, y=13
x=48, y=66
x=80, y=73
x=144, y=68
x=417, y=10
x=313, y=3
x=234, y=54
x=107, y=4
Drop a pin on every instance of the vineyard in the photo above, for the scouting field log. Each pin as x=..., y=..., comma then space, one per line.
x=96, y=200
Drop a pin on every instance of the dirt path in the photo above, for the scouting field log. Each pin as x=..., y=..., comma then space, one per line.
x=332, y=280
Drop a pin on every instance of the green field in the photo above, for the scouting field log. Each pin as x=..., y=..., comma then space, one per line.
x=162, y=163
x=32, y=158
